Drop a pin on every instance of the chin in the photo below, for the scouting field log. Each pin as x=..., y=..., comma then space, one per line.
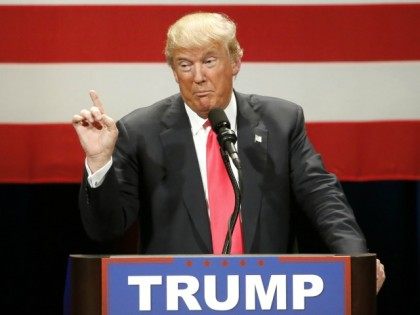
x=205, y=106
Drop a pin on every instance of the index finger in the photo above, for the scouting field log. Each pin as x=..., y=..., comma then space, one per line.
x=96, y=101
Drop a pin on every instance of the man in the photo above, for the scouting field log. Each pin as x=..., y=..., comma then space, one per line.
x=153, y=165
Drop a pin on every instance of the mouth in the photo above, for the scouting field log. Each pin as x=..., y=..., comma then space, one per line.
x=202, y=93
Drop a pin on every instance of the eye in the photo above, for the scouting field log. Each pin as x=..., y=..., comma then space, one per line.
x=184, y=66
x=210, y=62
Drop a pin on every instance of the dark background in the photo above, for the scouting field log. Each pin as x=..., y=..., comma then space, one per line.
x=41, y=227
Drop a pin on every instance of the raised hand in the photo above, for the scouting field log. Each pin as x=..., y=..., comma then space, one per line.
x=97, y=133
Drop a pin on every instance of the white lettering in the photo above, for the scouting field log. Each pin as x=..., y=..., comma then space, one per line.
x=145, y=289
x=174, y=293
x=185, y=287
x=232, y=298
x=254, y=284
x=299, y=291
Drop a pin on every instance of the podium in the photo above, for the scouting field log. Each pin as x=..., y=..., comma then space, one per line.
x=210, y=284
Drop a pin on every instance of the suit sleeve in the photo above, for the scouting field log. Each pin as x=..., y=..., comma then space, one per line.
x=320, y=195
x=108, y=210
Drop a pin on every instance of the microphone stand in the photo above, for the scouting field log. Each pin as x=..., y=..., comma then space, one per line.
x=237, y=188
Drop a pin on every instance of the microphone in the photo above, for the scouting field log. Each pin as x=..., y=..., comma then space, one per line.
x=225, y=136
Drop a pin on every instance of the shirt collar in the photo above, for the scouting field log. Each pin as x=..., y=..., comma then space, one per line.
x=197, y=122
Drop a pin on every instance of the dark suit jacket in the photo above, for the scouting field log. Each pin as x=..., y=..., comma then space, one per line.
x=155, y=178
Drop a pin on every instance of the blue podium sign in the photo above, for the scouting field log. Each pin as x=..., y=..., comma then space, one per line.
x=284, y=284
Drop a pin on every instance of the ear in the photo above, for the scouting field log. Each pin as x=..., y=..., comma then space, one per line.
x=236, y=66
x=175, y=75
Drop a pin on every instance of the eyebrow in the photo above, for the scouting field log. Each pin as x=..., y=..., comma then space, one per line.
x=210, y=53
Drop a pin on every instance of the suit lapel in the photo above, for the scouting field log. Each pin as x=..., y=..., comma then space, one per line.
x=181, y=157
x=252, y=146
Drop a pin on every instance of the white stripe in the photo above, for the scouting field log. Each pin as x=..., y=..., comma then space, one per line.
x=340, y=91
x=327, y=91
x=209, y=2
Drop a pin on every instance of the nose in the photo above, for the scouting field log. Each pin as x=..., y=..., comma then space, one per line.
x=199, y=75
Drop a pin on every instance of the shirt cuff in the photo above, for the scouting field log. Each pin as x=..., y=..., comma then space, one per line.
x=96, y=179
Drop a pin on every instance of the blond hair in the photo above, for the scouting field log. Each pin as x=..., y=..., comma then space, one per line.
x=202, y=29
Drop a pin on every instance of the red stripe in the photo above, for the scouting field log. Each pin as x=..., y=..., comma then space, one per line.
x=40, y=154
x=267, y=33
x=353, y=151
x=360, y=151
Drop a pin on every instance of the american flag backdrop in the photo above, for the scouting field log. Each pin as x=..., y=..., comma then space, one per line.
x=354, y=67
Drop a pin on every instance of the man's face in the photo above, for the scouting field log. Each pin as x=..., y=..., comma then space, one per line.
x=205, y=77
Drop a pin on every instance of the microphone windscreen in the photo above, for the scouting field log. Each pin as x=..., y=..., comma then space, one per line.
x=218, y=119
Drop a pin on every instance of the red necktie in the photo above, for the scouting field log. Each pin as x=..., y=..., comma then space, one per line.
x=221, y=199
